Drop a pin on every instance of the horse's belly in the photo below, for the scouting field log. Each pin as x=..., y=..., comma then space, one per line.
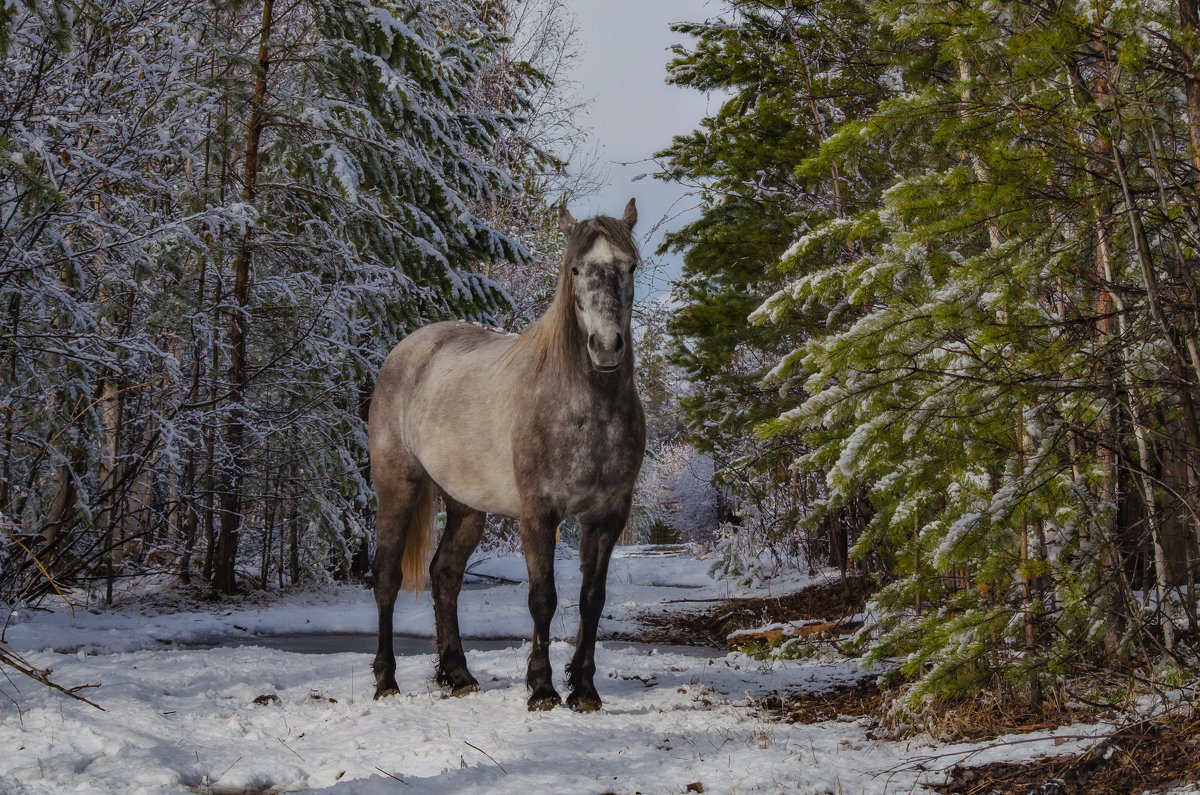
x=480, y=478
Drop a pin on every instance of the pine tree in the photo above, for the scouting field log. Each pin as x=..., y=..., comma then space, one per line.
x=983, y=347
x=794, y=74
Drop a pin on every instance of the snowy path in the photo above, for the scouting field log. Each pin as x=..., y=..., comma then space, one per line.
x=183, y=719
x=487, y=609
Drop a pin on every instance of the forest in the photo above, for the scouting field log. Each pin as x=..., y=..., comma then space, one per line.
x=936, y=327
x=964, y=237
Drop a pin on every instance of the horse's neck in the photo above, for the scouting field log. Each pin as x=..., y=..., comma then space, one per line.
x=608, y=388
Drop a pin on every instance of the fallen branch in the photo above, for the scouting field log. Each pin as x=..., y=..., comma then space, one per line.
x=923, y=763
x=781, y=632
x=493, y=577
x=10, y=658
x=681, y=601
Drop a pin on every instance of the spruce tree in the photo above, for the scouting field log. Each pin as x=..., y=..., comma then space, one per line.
x=794, y=75
x=985, y=354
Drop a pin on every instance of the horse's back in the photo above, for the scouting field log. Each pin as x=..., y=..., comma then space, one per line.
x=444, y=400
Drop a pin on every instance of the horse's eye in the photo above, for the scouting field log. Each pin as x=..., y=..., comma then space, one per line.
x=575, y=270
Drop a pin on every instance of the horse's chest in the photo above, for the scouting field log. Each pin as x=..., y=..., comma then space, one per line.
x=604, y=452
x=601, y=456
x=589, y=455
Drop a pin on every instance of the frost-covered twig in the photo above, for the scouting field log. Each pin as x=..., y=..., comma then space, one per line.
x=489, y=756
x=13, y=660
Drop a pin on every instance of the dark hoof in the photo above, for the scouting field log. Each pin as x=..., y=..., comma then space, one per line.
x=583, y=703
x=457, y=683
x=544, y=700
x=387, y=689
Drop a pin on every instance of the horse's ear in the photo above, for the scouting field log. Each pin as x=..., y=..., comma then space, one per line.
x=566, y=221
x=630, y=216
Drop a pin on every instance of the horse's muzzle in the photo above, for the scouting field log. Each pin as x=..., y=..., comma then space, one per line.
x=606, y=358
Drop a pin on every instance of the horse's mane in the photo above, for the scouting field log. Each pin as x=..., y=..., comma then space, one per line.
x=554, y=337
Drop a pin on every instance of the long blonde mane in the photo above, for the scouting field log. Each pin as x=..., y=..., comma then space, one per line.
x=554, y=337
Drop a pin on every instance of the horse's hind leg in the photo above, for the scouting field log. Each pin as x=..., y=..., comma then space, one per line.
x=398, y=490
x=599, y=536
x=464, y=528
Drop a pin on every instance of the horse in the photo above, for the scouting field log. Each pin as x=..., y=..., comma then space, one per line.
x=539, y=426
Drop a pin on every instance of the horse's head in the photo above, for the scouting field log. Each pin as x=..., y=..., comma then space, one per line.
x=600, y=260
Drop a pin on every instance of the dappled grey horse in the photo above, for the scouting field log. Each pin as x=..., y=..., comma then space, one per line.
x=540, y=427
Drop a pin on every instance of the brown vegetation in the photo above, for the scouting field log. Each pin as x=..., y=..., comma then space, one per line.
x=1150, y=755
x=712, y=625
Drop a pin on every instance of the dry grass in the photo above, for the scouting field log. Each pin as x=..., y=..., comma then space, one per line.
x=1148, y=756
x=987, y=717
x=711, y=625
x=860, y=701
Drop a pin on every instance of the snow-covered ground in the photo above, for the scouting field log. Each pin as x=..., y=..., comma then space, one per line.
x=186, y=719
x=488, y=608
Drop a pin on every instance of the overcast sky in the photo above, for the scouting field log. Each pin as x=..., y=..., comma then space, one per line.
x=624, y=47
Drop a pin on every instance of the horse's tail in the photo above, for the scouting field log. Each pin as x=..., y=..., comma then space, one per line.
x=414, y=566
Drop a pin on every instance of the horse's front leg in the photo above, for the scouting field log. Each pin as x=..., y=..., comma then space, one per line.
x=599, y=536
x=537, y=537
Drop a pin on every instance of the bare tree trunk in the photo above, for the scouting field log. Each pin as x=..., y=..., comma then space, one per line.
x=818, y=119
x=10, y=418
x=269, y=506
x=1108, y=442
x=1189, y=18
x=1143, y=471
x=1027, y=590
x=294, y=543
x=211, y=434
x=187, y=524
x=224, y=578
x=112, y=414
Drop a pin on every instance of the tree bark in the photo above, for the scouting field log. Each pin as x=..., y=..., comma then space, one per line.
x=1189, y=18
x=224, y=564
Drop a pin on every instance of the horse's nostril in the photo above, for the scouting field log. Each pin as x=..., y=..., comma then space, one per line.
x=597, y=345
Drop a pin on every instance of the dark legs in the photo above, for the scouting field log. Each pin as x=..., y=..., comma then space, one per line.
x=596, y=544
x=537, y=537
x=398, y=498
x=464, y=527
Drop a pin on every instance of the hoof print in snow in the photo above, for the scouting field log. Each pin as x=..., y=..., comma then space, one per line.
x=319, y=697
x=267, y=698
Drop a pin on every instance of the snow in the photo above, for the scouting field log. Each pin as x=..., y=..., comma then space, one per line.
x=185, y=719
x=636, y=582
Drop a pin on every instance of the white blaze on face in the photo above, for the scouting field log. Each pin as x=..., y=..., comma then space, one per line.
x=603, y=292
x=601, y=252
